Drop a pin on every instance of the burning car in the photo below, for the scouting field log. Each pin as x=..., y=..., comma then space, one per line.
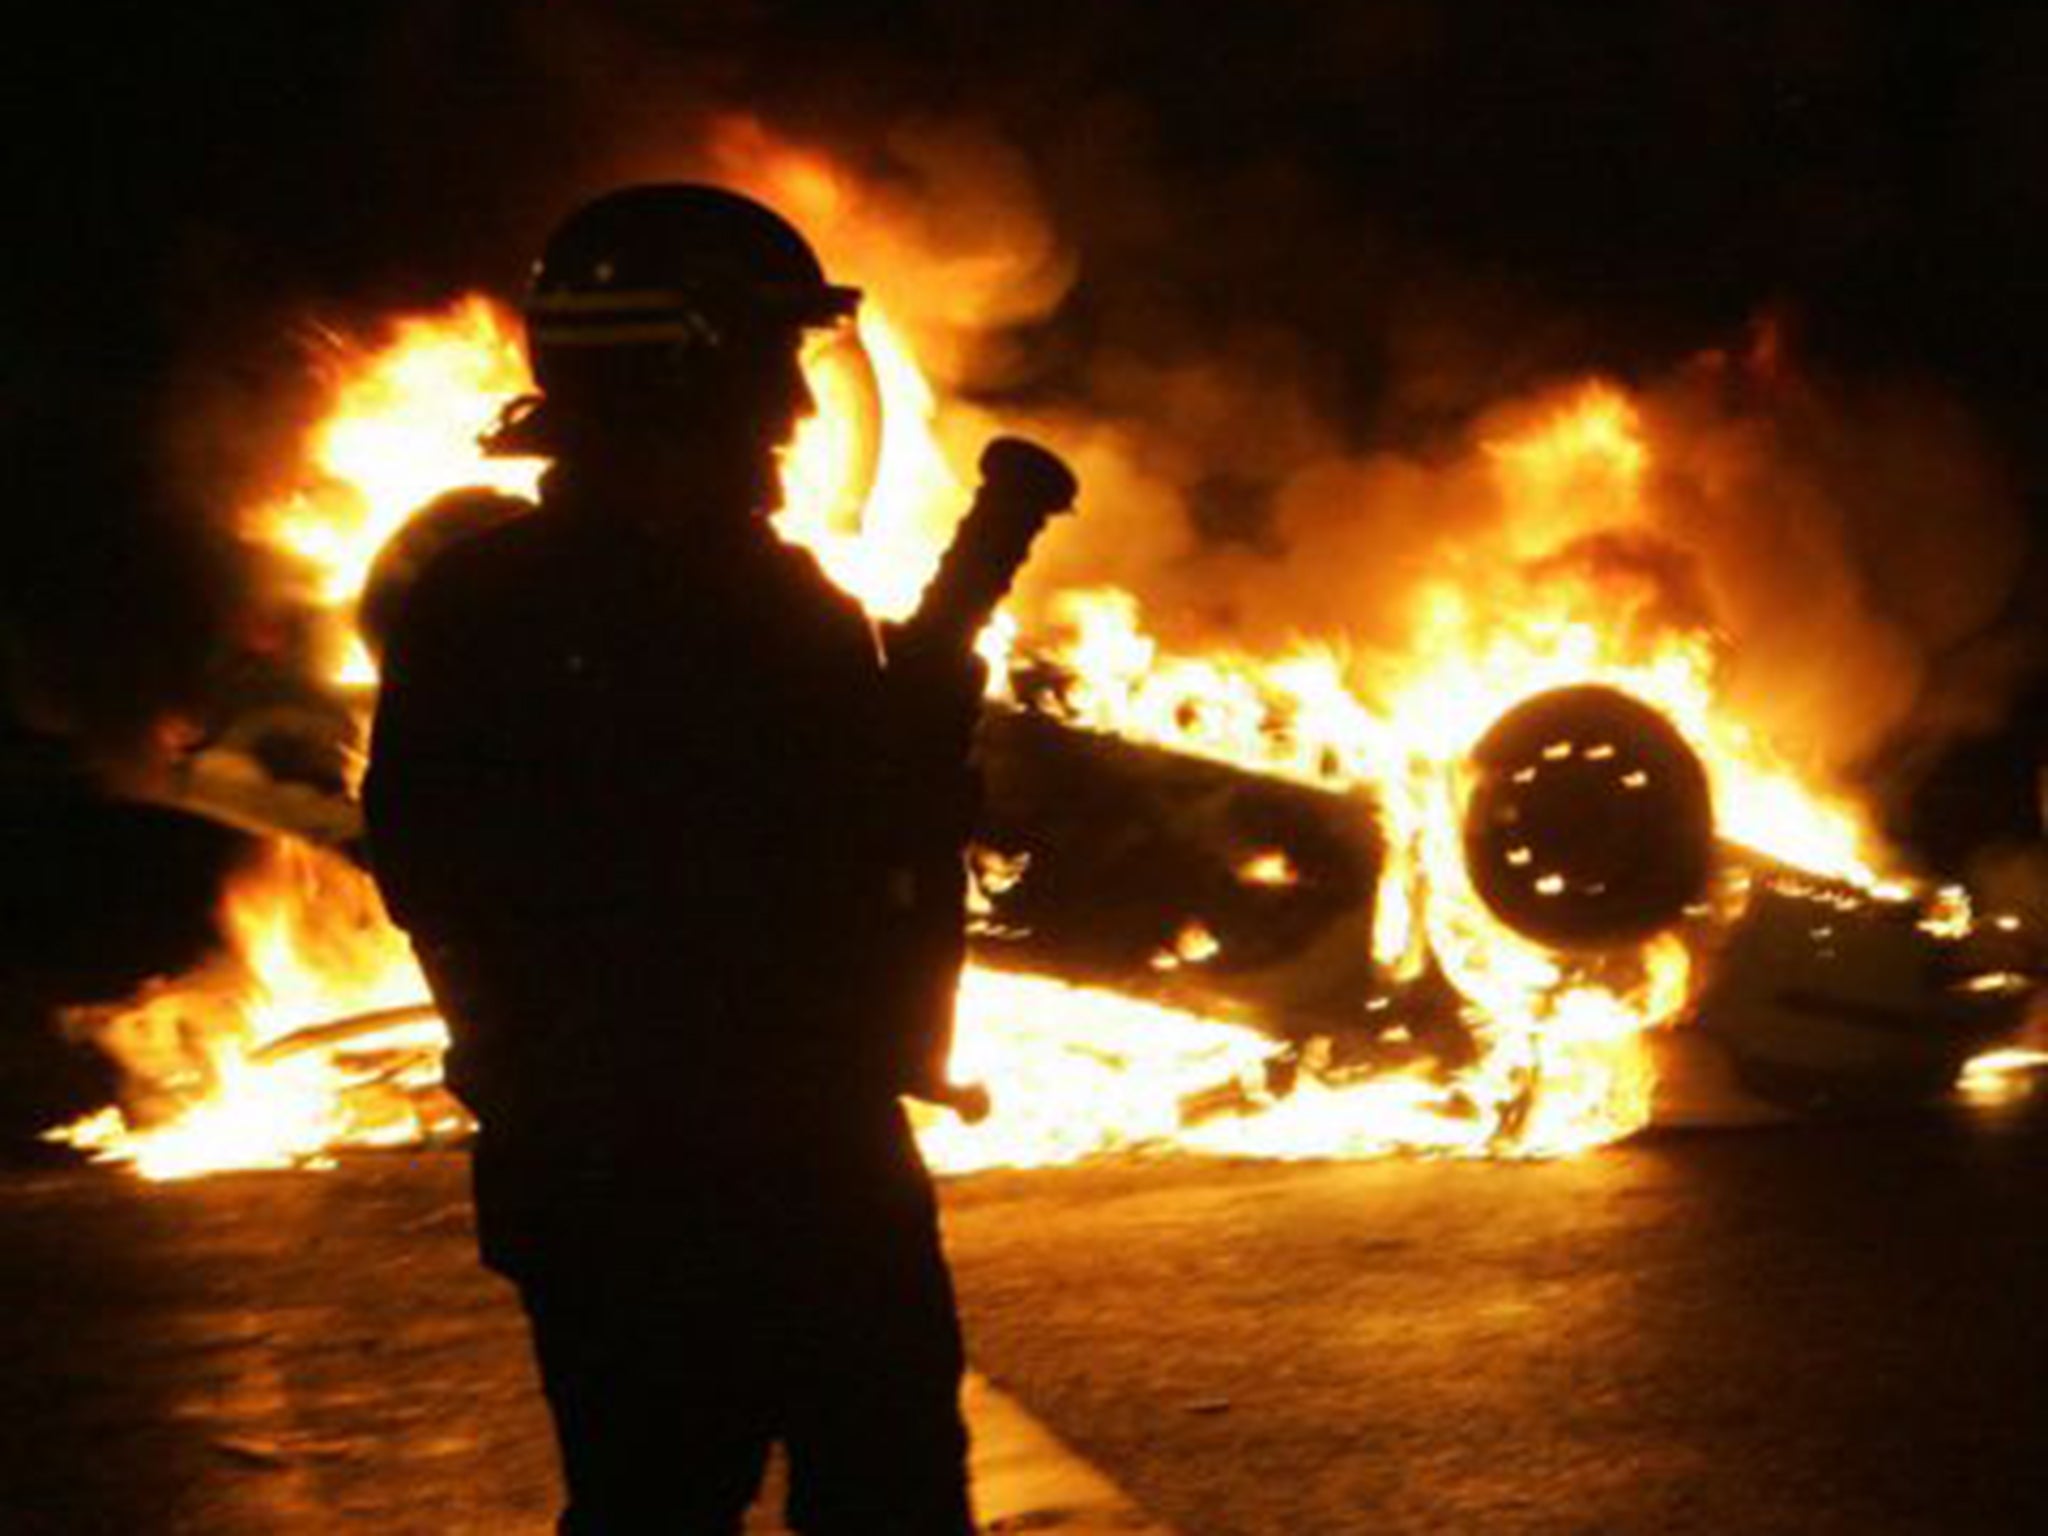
x=1519, y=891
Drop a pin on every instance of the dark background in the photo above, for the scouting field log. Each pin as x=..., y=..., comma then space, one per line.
x=1515, y=189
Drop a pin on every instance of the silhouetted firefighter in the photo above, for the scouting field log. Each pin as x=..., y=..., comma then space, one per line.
x=679, y=850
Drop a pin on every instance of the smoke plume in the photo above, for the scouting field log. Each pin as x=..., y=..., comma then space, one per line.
x=1276, y=281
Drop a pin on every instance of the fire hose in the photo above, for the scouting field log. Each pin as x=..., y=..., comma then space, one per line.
x=937, y=685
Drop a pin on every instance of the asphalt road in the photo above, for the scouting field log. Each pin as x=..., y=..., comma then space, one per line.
x=1803, y=1330
x=1815, y=1329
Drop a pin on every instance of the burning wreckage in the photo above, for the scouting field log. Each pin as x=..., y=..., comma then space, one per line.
x=1531, y=894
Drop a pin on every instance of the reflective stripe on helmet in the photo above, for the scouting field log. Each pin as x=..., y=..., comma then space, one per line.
x=580, y=310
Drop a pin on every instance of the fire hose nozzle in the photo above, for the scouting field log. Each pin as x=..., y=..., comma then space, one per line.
x=1023, y=486
x=1035, y=476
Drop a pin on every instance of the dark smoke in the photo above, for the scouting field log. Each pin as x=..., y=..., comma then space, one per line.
x=1295, y=256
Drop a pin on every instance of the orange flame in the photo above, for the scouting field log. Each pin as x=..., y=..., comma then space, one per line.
x=306, y=942
x=403, y=426
x=1077, y=1071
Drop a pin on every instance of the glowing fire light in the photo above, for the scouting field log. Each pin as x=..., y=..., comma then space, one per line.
x=404, y=426
x=2003, y=1076
x=1271, y=868
x=1076, y=1071
x=306, y=941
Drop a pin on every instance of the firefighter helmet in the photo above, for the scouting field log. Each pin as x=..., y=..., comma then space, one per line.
x=672, y=268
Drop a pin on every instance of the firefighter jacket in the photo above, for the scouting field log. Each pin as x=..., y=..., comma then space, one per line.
x=642, y=808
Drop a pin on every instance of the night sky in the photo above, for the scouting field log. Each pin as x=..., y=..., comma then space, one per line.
x=1509, y=190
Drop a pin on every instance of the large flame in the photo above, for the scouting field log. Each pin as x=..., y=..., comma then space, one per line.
x=231, y=1078
x=308, y=1034
x=404, y=424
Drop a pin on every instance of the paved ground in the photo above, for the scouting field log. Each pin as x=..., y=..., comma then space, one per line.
x=1806, y=1330
x=1810, y=1330
x=296, y=1354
